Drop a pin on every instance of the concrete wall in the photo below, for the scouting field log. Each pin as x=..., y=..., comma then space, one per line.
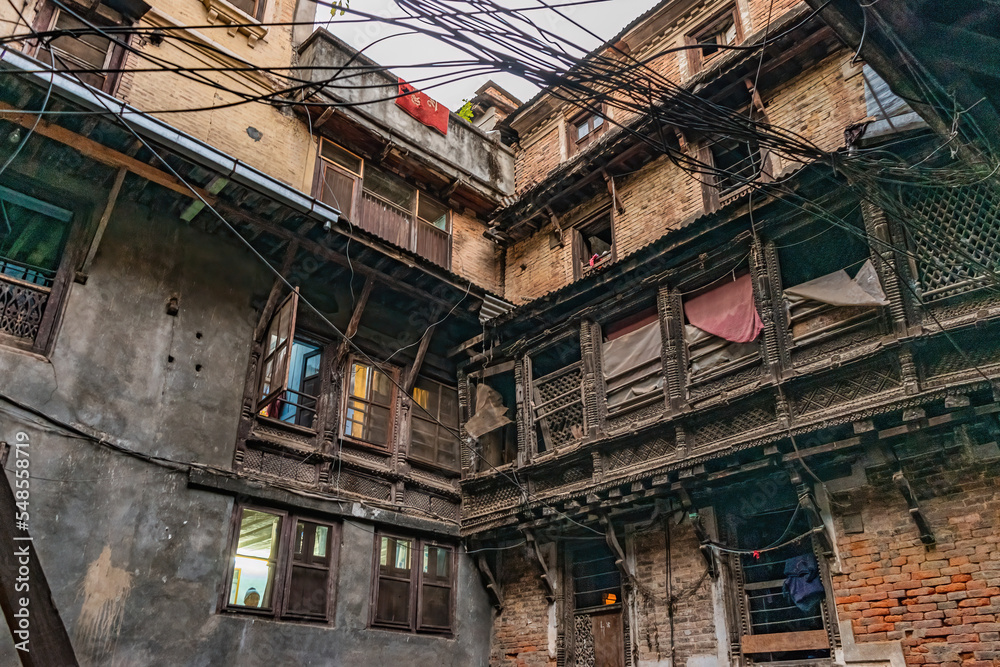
x=135, y=558
x=464, y=147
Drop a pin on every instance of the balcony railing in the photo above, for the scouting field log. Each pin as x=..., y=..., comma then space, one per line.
x=385, y=219
x=22, y=303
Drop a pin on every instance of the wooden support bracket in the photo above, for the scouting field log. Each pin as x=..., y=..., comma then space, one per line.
x=903, y=484
x=102, y=225
x=558, y=234
x=489, y=580
x=621, y=558
x=547, y=576
x=352, y=326
x=418, y=360
x=615, y=201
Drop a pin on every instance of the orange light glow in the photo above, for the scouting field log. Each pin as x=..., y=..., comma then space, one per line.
x=610, y=598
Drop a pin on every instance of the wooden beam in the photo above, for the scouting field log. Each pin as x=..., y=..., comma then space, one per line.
x=105, y=218
x=99, y=152
x=425, y=341
x=809, y=640
x=321, y=251
x=37, y=630
x=355, y=322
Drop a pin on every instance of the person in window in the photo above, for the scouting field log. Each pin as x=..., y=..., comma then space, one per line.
x=252, y=598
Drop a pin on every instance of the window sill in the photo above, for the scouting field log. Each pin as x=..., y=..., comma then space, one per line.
x=241, y=22
x=362, y=444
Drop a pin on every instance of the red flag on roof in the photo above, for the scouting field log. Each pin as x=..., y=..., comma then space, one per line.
x=423, y=108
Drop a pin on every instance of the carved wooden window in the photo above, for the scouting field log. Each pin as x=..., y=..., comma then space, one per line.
x=825, y=269
x=33, y=239
x=711, y=38
x=433, y=424
x=280, y=565
x=340, y=177
x=368, y=412
x=780, y=600
x=557, y=394
x=711, y=355
x=414, y=584
x=593, y=243
x=632, y=365
x=89, y=55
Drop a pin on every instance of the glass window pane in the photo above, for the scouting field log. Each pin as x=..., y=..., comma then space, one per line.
x=340, y=156
x=436, y=607
x=378, y=425
x=394, y=558
x=253, y=581
x=354, y=423
x=258, y=534
x=381, y=388
x=423, y=439
x=433, y=213
x=393, y=605
x=582, y=130
x=91, y=50
x=390, y=188
x=421, y=395
x=448, y=413
x=598, y=121
x=447, y=454
x=359, y=380
x=322, y=540
x=437, y=564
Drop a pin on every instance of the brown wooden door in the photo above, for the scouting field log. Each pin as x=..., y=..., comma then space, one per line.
x=609, y=639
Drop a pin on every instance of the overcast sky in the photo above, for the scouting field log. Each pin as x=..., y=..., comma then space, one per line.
x=402, y=52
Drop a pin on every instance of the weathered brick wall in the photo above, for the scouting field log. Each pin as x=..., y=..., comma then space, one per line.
x=942, y=603
x=694, y=624
x=285, y=150
x=819, y=104
x=473, y=256
x=521, y=630
x=534, y=268
x=760, y=9
x=536, y=155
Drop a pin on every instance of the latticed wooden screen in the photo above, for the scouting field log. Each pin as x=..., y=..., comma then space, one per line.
x=21, y=308
x=954, y=236
x=558, y=399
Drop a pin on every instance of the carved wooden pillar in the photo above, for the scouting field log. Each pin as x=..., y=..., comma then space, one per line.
x=783, y=338
x=681, y=362
x=595, y=407
x=672, y=335
x=525, y=432
x=765, y=300
x=891, y=267
x=468, y=456
x=908, y=370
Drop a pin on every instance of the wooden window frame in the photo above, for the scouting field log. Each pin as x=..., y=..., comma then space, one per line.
x=697, y=61
x=258, y=9
x=578, y=243
x=356, y=178
x=45, y=20
x=284, y=563
x=392, y=373
x=417, y=412
x=576, y=144
x=416, y=580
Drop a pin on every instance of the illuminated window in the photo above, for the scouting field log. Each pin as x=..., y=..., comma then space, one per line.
x=280, y=565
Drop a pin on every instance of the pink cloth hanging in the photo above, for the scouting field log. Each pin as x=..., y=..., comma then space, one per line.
x=728, y=311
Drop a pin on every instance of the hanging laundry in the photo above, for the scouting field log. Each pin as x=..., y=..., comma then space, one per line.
x=728, y=311
x=491, y=413
x=803, y=585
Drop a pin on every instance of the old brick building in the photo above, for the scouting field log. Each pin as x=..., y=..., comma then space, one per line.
x=721, y=365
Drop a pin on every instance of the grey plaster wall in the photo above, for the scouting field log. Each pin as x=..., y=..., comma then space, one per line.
x=465, y=147
x=135, y=558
